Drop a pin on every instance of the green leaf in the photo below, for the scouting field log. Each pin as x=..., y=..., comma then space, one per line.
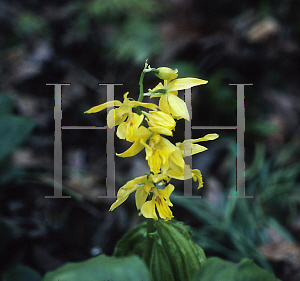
x=220, y=270
x=173, y=254
x=13, y=131
x=160, y=257
x=102, y=268
x=21, y=272
x=133, y=242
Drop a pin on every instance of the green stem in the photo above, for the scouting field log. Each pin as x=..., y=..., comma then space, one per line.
x=150, y=226
x=149, y=244
x=145, y=70
x=141, y=96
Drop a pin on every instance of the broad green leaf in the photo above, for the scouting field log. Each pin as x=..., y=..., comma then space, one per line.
x=13, y=131
x=217, y=269
x=102, y=268
x=169, y=251
x=21, y=272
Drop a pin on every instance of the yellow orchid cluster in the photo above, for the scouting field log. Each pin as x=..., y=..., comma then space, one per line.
x=166, y=160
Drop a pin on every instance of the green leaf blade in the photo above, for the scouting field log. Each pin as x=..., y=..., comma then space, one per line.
x=102, y=268
x=220, y=270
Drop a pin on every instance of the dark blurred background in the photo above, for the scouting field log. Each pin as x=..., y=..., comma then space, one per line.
x=99, y=41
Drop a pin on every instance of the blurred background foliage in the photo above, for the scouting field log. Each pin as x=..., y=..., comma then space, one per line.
x=99, y=41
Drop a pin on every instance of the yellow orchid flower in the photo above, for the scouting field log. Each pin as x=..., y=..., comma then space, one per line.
x=161, y=154
x=158, y=152
x=176, y=167
x=117, y=116
x=169, y=102
x=143, y=186
x=160, y=200
x=158, y=149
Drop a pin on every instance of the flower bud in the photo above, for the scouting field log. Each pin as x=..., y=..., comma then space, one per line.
x=166, y=73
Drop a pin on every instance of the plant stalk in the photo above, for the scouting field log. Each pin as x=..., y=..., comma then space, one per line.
x=149, y=244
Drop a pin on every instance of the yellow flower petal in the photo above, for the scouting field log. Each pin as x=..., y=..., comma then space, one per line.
x=184, y=83
x=148, y=210
x=154, y=162
x=121, y=131
x=123, y=110
x=197, y=176
x=133, y=126
x=141, y=133
x=197, y=148
x=164, y=104
x=161, y=131
x=162, y=202
x=165, y=153
x=163, y=210
x=140, y=197
x=100, y=107
x=132, y=103
x=187, y=148
x=177, y=159
x=207, y=137
x=173, y=166
x=187, y=173
x=167, y=192
x=179, y=175
x=125, y=96
x=148, y=149
x=166, y=142
x=144, y=104
x=113, y=119
x=178, y=107
x=132, y=150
